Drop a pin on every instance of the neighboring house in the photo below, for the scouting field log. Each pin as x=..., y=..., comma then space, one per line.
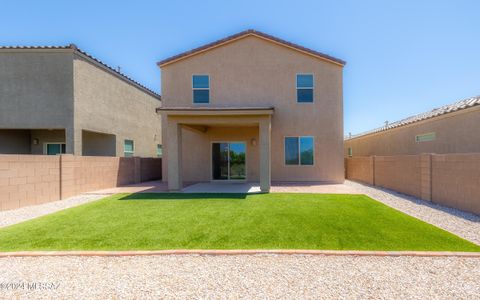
x=252, y=107
x=62, y=100
x=453, y=128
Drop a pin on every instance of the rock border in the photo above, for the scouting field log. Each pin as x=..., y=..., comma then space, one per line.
x=241, y=252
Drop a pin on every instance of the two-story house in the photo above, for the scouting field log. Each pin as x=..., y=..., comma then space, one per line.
x=252, y=107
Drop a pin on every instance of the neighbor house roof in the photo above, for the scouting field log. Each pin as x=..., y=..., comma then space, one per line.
x=91, y=59
x=247, y=33
x=446, y=109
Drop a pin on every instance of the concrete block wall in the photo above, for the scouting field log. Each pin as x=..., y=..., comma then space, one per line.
x=448, y=179
x=400, y=173
x=360, y=169
x=34, y=179
x=456, y=181
x=28, y=180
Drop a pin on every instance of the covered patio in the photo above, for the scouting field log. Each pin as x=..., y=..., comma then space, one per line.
x=193, y=134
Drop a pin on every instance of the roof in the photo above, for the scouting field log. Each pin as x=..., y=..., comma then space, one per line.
x=90, y=58
x=208, y=110
x=250, y=32
x=446, y=109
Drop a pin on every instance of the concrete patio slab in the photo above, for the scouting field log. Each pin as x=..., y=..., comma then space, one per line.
x=213, y=187
x=232, y=187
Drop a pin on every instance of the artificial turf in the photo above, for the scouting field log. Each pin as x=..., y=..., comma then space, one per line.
x=230, y=221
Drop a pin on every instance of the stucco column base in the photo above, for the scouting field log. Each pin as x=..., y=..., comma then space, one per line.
x=265, y=160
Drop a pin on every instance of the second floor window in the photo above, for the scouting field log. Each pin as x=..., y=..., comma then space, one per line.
x=304, y=88
x=201, y=88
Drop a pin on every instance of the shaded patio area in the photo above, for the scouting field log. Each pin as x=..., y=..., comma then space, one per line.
x=223, y=187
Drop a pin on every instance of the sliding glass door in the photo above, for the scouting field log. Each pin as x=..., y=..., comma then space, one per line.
x=228, y=161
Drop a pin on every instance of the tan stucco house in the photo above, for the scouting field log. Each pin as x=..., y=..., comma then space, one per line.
x=252, y=107
x=453, y=128
x=62, y=100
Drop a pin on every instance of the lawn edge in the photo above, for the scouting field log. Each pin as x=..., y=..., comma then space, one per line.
x=240, y=252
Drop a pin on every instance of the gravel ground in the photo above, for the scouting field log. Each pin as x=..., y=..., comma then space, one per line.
x=10, y=217
x=244, y=276
x=463, y=224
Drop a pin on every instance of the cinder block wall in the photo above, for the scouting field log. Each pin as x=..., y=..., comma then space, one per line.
x=449, y=179
x=28, y=180
x=456, y=181
x=34, y=179
x=400, y=173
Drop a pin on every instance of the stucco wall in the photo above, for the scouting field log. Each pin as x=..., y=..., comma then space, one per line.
x=197, y=166
x=456, y=132
x=36, y=89
x=106, y=104
x=45, y=136
x=254, y=72
x=14, y=141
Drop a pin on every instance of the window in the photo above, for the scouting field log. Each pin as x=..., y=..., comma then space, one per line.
x=55, y=148
x=128, y=148
x=350, y=152
x=299, y=150
x=159, y=150
x=304, y=88
x=427, y=137
x=201, y=88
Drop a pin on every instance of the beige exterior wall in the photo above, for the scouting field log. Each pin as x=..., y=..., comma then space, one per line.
x=255, y=72
x=14, y=141
x=49, y=91
x=106, y=104
x=456, y=132
x=36, y=89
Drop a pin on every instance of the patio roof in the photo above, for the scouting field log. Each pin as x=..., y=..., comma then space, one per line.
x=217, y=111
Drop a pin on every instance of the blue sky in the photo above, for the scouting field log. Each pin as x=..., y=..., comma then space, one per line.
x=403, y=57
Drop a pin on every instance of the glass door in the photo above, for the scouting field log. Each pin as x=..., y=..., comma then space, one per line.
x=228, y=161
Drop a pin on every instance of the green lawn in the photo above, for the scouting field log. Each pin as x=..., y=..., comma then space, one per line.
x=226, y=221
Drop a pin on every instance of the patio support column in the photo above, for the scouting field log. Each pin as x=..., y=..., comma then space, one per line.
x=265, y=139
x=174, y=157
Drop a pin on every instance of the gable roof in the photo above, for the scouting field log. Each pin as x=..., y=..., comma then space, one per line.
x=246, y=33
x=443, y=110
x=91, y=59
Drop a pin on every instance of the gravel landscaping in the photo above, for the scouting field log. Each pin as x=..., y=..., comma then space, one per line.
x=10, y=217
x=244, y=276
x=463, y=224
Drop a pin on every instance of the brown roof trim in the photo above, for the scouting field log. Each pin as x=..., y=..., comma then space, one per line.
x=245, y=34
x=90, y=58
x=249, y=108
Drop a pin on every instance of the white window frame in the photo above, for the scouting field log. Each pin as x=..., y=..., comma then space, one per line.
x=53, y=143
x=162, y=150
x=133, y=146
x=299, y=160
x=349, y=152
x=304, y=88
x=208, y=89
x=426, y=134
